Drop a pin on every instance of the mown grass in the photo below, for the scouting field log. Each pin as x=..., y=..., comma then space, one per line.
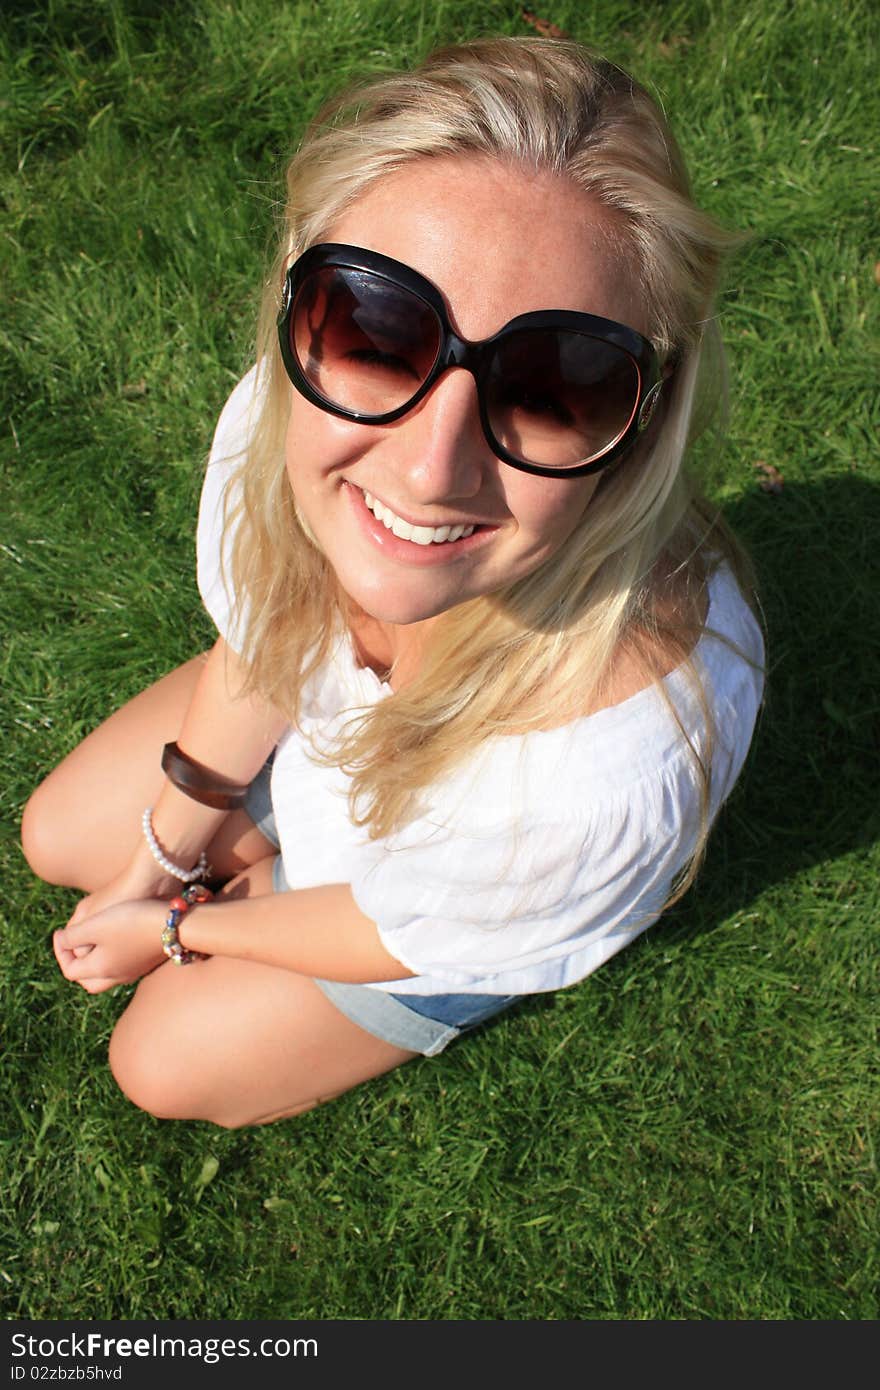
x=692, y=1133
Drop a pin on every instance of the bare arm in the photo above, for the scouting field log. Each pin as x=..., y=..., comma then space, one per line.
x=313, y=931
x=229, y=733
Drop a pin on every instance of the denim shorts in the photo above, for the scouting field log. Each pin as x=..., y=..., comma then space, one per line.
x=425, y=1023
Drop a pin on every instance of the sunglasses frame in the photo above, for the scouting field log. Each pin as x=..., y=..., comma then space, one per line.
x=473, y=357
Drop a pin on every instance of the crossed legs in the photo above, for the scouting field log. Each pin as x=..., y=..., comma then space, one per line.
x=225, y=1040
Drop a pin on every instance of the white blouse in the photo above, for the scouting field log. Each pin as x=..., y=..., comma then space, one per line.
x=549, y=851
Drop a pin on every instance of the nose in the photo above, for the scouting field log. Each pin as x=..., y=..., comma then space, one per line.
x=444, y=454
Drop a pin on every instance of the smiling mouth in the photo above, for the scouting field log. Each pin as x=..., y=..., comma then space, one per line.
x=419, y=535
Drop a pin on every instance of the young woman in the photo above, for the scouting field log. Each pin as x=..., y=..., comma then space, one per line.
x=497, y=655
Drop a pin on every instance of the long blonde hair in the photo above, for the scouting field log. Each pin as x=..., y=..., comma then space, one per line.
x=502, y=662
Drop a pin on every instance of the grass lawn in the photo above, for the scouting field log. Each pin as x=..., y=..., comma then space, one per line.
x=690, y=1134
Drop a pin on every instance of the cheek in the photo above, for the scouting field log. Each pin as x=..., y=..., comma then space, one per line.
x=319, y=446
x=299, y=459
x=299, y=443
x=549, y=509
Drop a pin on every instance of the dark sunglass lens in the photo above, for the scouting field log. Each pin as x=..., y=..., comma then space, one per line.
x=362, y=342
x=559, y=398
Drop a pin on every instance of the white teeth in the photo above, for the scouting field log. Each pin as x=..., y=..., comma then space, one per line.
x=419, y=535
x=422, y=535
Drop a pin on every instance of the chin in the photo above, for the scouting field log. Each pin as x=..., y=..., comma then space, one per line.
x=400, y=612
x=400, y=599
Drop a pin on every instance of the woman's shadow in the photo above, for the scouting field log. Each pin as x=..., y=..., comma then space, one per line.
x=809, y=791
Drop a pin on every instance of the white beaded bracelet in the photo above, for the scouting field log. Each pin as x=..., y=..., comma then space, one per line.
x=185, y=875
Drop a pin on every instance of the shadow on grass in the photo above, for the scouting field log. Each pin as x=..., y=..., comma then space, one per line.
x=809, y=792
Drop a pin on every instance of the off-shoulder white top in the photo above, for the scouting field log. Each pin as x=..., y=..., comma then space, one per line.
x=547, y=852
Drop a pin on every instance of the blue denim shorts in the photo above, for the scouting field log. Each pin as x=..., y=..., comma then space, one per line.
x=425, y=1023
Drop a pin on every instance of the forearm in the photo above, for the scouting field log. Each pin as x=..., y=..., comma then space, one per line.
x=314, y=931
x=229, y=733
x=319, y=932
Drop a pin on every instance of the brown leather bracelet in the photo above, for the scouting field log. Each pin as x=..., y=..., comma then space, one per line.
x=199, y=783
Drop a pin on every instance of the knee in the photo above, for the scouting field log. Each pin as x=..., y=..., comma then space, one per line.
x=42, y=836
x=151, y=1072
x=154, y=1069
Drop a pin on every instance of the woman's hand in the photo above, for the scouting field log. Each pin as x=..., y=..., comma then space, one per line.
x=140, y=879
x=112, y=947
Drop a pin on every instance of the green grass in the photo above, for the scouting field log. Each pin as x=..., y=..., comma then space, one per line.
x=690, y=1134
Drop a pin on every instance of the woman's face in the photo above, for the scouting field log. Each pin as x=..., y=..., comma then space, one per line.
x=497, y=243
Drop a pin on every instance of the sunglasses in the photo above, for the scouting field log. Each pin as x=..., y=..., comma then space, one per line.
x=365, y=338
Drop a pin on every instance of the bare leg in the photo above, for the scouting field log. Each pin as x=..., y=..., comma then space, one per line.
x=82, y=823
x=239, y=1043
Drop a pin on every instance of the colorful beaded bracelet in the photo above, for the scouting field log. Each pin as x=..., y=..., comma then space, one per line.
x=178, y=907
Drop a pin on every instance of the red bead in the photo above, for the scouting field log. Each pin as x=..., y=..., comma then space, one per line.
x=179, y=905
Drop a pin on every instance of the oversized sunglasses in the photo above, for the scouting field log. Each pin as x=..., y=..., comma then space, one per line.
x=365, y=337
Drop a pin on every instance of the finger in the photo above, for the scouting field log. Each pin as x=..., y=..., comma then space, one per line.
x=63, y=953
x=82, y=968
x=77, y=935
x=98, y=986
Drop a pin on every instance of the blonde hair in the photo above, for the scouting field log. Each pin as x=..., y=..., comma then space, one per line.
x=637, y=564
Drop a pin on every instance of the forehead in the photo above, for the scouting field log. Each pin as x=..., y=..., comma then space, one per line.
x=498, y=241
